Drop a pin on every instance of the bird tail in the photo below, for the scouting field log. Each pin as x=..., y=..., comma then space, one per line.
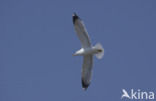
x=100, y=54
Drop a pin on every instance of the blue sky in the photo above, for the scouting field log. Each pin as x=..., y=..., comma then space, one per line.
x=37, y=40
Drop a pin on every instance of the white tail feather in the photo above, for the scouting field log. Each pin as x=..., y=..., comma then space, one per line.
x=100, y=54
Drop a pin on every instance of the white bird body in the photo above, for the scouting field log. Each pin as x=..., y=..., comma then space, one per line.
x=87, y=51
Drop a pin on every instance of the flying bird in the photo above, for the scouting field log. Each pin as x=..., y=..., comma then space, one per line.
x=87, y=51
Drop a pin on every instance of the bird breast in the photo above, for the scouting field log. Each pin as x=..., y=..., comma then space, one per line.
x=90, y=51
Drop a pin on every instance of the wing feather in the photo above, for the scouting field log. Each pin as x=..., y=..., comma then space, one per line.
x=81, y=32
x=87, y=70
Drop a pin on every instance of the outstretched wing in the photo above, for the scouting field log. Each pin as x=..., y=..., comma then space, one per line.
x=81, y=31
x=87, y=70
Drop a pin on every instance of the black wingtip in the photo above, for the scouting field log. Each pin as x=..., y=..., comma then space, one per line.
x=75, y=17
x=84, y=85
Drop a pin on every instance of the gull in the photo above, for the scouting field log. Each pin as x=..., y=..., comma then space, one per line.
x=87, y=51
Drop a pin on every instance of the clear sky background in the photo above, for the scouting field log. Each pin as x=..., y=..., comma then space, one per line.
x=37, y=40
